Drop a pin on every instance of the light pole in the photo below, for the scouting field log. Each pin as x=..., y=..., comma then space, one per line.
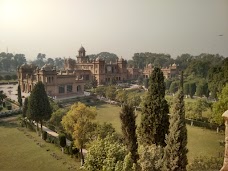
x=225, y=163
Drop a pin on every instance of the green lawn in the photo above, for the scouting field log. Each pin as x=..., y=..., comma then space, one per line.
x=200, y=141
x=19, y=151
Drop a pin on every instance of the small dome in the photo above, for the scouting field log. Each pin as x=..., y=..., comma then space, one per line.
x=149, y=65
x=82, y=49
x=98, y=58
x=32, y=65
x=23, y=66
x=121, y=59
x=174, y=65
x=47, y=67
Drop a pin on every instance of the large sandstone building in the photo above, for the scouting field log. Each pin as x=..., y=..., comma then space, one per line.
x=72, y=79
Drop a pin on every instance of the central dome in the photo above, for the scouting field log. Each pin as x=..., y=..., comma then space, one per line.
x=82, y=49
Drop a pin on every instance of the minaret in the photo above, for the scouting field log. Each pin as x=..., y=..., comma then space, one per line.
x=82, y=58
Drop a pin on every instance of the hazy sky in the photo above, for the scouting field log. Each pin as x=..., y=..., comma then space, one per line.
x=59, y=27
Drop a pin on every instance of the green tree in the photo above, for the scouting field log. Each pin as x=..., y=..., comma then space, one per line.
x=110, y=92
x=150, y=157
x=6, y=61
x=50, y=61
x=78, y=123
x=39, y=106
x=192, y=89
x=220, y=106
x=199, y=90
x=186, y=89
x=173, y=87
x=56, y=118
x=62, y=141
x=19, y=95
x=134, y=99
x=194, y=110
x=100, y=91
x=146, y=82
x=121, y=96
x=108, y=57
x=25, y=107
x=154, y=119
x=175, y=152
x=103, y=130
x=40, y=60
x=2, y=97
x=59, y=62
x=108, y=154
x=202, y=89
x=167, y=84
x=18, y=60
x=184, y=60
x=215, y=83
x=128, y=126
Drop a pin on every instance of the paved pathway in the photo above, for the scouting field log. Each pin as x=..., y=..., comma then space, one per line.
x=54, y=134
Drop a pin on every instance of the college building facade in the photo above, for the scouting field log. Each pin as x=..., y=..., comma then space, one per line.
x=76, y=73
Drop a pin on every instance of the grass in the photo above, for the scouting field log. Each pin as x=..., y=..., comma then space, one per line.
x=20, y=150
x=110, y=114
x=201, y=142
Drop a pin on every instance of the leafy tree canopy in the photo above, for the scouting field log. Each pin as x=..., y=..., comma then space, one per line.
x=220, y=106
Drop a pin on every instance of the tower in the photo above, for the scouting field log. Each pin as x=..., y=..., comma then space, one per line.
x=82, y=58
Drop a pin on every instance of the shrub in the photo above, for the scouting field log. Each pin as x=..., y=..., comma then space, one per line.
x=44, y=135
x=66, y=150
x=1, y=108
x=62, y=140
x=205, y=163
x=73, y=150
x=23, y=122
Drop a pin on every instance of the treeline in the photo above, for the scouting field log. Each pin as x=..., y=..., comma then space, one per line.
x=108, y=57
x=140, y=60
x=8, y=77
x=198, y=63
x=205, y=75
x=10, y=62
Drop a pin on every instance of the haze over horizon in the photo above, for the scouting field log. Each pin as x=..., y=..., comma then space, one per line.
x=57, y=28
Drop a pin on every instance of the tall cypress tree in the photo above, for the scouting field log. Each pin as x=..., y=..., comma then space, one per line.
x=175, y=153
x=19, y=95
x=25, y=107
x=128, y=126
x=39, y=105
x=155, y=120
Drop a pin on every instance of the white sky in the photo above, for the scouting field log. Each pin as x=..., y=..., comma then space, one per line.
x=59, y=27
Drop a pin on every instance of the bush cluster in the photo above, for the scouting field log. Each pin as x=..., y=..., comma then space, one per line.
x=10, y=113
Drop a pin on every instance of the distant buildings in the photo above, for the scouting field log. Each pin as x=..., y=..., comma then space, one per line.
x=72, y=79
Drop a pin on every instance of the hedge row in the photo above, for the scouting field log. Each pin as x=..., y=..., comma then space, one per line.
x=10, y=113
x=204, y=124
